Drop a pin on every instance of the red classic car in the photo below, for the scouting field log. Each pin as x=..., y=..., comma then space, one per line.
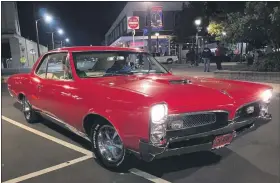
x=124, y=101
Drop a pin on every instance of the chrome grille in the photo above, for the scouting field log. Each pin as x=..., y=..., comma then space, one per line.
x=195, y=120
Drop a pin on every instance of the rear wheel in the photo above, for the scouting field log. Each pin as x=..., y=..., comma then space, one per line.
x=29, y=114
x=170, y=61
x=108, y=146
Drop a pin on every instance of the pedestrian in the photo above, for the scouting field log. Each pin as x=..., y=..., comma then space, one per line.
x=256, y=56
x=192, y=56
x=206, y=56
x=22, y=61
x=219, y=56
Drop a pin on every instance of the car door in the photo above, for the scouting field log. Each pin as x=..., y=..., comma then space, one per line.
x=37, y=84
x=63, y=93
x=54, y=74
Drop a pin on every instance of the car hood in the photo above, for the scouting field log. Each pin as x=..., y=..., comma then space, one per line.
x=194, y=92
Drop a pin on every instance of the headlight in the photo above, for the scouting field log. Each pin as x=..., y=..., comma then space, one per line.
x=266, y=96
x=159, y=113
x=158, y=126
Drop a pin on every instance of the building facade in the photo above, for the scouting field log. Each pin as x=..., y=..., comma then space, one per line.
x=120, y=35
x=13, y=45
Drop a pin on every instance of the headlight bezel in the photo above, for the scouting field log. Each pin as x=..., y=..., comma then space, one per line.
x=161, y=122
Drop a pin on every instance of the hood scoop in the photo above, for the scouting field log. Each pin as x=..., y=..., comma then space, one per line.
x=180, y=81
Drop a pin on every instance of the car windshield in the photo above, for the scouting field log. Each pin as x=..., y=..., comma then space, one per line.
x=108, y=63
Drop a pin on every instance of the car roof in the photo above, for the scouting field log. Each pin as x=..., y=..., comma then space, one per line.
x=96, y=48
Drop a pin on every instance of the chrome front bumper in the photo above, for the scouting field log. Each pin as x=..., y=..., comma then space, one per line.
x=198, y=142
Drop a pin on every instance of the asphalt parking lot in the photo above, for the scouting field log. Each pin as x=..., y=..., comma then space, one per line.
x=44, y=152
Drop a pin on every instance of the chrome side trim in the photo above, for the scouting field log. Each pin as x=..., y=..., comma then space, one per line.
x=10, y=93
x=64, y=125
x=198, y=112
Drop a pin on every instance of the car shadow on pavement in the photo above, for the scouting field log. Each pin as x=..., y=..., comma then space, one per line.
x=189, y=162
x=68, y=134
x=223, y=165
x=83, y=142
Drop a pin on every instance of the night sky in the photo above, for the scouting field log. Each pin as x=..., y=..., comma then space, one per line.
x=84, y=23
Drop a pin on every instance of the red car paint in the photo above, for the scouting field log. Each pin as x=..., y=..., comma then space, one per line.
x=125, y=101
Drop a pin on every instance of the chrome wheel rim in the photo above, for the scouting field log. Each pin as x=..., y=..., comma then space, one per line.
x=109, y=144
x=26, y=109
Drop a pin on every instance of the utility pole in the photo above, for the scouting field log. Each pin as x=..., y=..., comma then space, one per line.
x=149, y=28
x=37, y=32
x=52, y=40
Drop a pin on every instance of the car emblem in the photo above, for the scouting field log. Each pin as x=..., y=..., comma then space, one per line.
x=250, y=109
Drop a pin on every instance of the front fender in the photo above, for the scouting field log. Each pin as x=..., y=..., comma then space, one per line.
x=130, y=119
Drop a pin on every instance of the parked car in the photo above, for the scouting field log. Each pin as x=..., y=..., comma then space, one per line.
x=126, y=102
x=166, y=59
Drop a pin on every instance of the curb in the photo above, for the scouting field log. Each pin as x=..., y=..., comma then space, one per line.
x=272, y=77
x=276, y=87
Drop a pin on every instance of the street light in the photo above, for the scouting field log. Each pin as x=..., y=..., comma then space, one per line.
x=60, y=31
x=224, y=33
x=67, y=40
x=48, y=19
x=197, y=22
x=148, y=18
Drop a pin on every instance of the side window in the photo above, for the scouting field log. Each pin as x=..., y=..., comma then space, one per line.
x=42, y=68
x=59, y=67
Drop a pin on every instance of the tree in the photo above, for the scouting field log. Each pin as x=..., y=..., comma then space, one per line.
x=216, y=29
x=257, y=25
x=275, y=20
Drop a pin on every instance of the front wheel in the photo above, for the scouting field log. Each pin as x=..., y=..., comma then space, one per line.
x=108, y=146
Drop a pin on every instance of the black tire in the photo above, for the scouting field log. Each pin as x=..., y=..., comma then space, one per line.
x=30, y=116
x=170, y=61
x=118, y=165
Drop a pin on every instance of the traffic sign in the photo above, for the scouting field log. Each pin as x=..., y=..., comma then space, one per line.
x=145, y=31
x=133, y=22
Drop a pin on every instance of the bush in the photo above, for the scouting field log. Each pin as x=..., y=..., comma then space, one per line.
x=236, y=58
x=268, y=63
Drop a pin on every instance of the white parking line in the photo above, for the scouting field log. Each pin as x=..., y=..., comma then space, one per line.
x=88, y=154
x=47, y=170
x=147, y=176
x=51, y=138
